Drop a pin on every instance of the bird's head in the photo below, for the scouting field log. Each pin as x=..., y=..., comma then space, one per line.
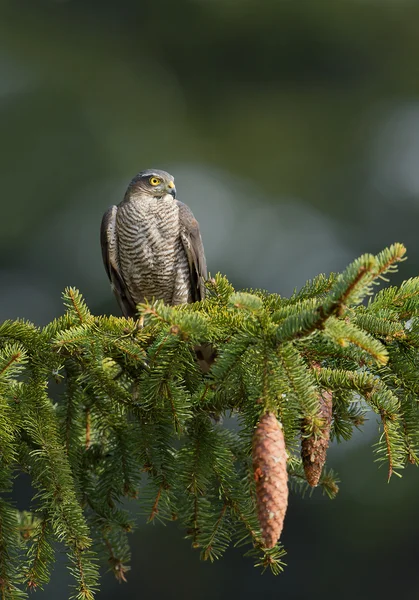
x=153, y=183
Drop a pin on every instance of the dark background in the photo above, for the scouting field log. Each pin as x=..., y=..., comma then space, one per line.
x=292, y=128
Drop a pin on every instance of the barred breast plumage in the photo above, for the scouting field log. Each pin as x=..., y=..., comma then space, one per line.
x=151, y=245
x=151, y=255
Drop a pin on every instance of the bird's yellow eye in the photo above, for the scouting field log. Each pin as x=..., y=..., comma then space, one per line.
x=155, y=180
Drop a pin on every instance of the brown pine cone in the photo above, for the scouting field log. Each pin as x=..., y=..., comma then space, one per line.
x=270, y=472
x=314, y=447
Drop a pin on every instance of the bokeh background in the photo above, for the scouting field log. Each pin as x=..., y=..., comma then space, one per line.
x=292, y=129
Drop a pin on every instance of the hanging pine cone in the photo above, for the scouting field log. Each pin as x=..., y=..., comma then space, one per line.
x=270, y=471
x=314, y=447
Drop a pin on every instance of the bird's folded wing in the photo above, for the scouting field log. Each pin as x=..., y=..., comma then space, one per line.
x=108, y=242
x=192, y=243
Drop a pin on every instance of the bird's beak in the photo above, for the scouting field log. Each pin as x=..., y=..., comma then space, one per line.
x=171, y=189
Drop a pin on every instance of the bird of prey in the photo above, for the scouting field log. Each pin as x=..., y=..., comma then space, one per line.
x=152, y=246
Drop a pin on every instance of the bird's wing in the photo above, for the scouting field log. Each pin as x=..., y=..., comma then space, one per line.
x=192, y=243
x=109, y=243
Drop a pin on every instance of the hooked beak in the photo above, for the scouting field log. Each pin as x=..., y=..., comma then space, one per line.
x=171, y=189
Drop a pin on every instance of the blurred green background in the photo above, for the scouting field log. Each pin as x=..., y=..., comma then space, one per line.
x=292, y=129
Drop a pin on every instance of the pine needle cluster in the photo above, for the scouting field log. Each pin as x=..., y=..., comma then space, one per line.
x=137, y=419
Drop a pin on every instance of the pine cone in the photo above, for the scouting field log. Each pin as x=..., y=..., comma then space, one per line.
x=270, y=471
x=314, y=448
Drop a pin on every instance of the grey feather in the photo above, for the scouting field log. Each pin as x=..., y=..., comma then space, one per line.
x=109, y=243
x=194, y=248
x=151, y=245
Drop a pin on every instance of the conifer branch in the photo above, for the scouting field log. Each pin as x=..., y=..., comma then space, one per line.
x=388, y=444
x=155, y=507
x=207, y=550
x=138, y=418
x=118, y=568
x=87, y=441
x=41, y=554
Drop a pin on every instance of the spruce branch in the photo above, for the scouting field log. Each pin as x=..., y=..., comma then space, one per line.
x=136, y=417
x=40, y=555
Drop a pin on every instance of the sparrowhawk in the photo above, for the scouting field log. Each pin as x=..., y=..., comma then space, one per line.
x=152, y=246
